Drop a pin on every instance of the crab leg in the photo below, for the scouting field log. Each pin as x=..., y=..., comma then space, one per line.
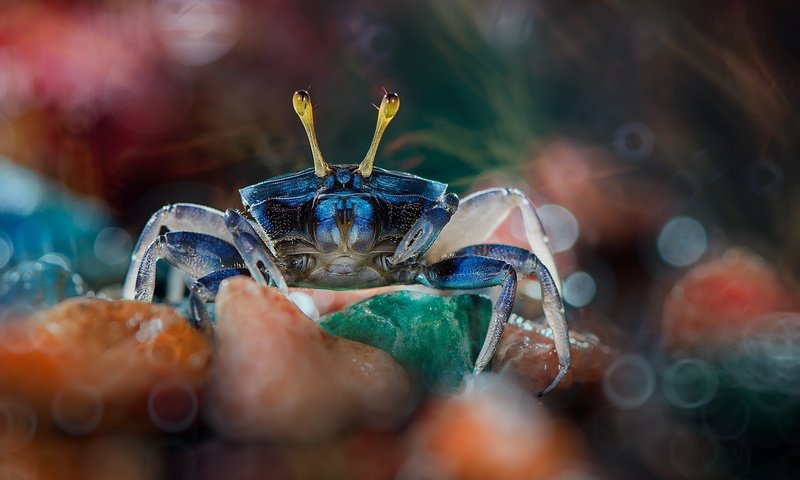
x=472, y=271
x=480, y=214
x=196, y=254
x=180, y=216
x=205, y=290
x=526, y=264
x=255, y=253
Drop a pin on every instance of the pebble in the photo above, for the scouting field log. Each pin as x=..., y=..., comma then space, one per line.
x=720, y=300
x=492, y=430
x=88, y=363
x=526, y=353
x=435, y=338
x=278, y=375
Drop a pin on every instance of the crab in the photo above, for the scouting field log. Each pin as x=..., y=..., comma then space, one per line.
x=351, y=227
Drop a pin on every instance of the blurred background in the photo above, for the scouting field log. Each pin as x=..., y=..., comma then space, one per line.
x=659, y=140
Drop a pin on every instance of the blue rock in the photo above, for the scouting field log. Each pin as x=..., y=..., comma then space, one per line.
x=32, y=286
x=38, y=217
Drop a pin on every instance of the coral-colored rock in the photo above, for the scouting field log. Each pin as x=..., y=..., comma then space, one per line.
x=719, y=300
x=529, y=357
x=278, y=375
x=493, y=430
x=89, y=362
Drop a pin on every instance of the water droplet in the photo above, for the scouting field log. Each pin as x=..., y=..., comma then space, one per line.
x=690, y=383
x=727, y=416
x=172, y=406
x=579, y=289
x=682, y=241
x=765, y=178
x=6, y=250
x=505, y=24
x=629, y=382
x=18, y=422
x=20, y=190
x=113, y=246
x=77, y=410
x=634, y=141
x=198, y=32
x=561, y=226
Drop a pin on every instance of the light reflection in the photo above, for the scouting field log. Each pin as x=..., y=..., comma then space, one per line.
x=198, y=32
x=579, y=289
x=765, y=178
x=682, y=241
x=561, y=226
x=690, y=383
x=634, y=141
x=20, y=190
x=113, y=246
x=305, y=303
x=629, y=382
x=77, y=411
x=172, y=407
x=6, y=250
x=505, y=24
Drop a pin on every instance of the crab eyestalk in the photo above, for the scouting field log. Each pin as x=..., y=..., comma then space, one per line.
x=388, y=109
x=302, y=105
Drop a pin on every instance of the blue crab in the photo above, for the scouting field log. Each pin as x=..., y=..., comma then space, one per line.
x=353, y=226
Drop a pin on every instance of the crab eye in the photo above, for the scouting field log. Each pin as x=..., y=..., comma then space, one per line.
x=298, y=263
x=384, y=263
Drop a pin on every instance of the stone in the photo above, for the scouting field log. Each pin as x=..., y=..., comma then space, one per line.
x=436, y=339
x=32, y=286
x=40, y=219
x=526, y=353
x=277, y=375
x=491, y=430
x=87, y=364
x=720, y=300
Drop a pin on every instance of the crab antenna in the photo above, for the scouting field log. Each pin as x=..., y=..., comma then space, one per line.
x=388, y=109
x=302, y=105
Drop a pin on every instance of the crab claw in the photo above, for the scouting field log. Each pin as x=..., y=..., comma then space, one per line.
x=425, y=231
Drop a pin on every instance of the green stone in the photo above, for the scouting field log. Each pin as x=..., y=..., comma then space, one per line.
x=436, y=339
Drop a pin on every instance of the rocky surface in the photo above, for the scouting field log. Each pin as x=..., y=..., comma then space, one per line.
x=89, y=364
x=278, y=375
x=435, y=338
x=719, y=301
x=492, y=430
x=526, y=354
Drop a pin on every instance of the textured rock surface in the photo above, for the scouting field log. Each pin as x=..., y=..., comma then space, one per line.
x=87, y=363
x=278, y=375
x=435, y=338
x=526, y=353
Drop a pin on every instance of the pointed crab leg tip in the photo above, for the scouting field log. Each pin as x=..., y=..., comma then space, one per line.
x=561, y=372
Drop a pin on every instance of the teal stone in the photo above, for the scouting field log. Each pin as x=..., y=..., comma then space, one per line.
x=436, y=339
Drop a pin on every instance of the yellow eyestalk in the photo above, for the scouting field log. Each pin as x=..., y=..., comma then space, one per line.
x=302, y=105
x=388, y=109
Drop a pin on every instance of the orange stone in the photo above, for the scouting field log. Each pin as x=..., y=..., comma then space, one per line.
x=718, y=301
x=493, y=430
x=88, y=363
x=278, y=375
x=530, y=358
